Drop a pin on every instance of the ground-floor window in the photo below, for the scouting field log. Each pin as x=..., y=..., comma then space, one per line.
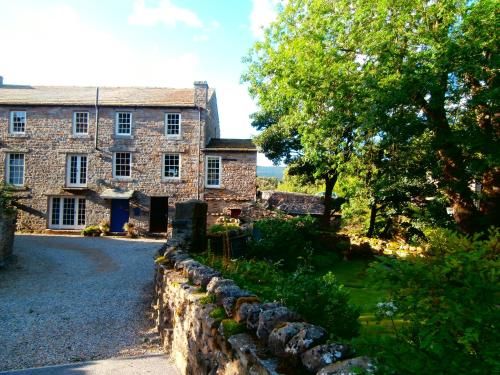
x=67, y=213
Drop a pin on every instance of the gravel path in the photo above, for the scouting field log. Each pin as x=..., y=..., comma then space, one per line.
x=69, y=299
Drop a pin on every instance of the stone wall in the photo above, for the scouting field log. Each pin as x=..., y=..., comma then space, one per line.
x=208, y=325
x=7, y=229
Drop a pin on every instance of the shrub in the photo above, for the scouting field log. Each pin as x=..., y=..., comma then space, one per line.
x=223, y=228
x=323, y=301
x=449, y=301
x=7, y=201
x=91, y=231
x=130, y=229
x=281, y=239
x=104, y=226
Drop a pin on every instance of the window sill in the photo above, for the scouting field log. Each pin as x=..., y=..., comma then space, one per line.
x=173, y=137
x=122, y=179
x=122, y=136
x=15, y=135
x=168, y=180
x=79, y=136
x=19, y=188
x=213, y=187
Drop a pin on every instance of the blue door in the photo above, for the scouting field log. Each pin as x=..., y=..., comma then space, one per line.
x=119, y=214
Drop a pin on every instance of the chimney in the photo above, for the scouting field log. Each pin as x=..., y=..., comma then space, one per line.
x=200, y=93
x=1, y=81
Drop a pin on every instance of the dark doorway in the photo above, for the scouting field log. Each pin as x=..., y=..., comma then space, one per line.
x=119, y=214
x=158, y=215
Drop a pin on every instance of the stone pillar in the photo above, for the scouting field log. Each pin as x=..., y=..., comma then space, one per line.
x=190, y=223
x=7, y=230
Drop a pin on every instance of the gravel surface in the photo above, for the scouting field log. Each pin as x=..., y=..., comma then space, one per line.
x=69, y=299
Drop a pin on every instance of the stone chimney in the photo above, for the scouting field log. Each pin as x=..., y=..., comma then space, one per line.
x=200, y=93
x=1, y=81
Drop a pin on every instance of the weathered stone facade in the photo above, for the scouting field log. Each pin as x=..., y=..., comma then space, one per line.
x=49, y=140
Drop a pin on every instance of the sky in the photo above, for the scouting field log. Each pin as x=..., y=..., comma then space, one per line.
x=156, y=43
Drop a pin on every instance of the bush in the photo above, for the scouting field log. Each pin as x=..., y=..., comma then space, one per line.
x=91, y=231
x=223, y=228
x=131, y=230
x=449, y=302
x=323, y=301
x=289, y=240
x=105, y=227
x=7, y=201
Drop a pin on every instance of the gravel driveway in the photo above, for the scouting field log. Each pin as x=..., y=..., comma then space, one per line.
x=68, y=299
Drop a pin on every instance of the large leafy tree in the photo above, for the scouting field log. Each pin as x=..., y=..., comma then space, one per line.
x=333, y=75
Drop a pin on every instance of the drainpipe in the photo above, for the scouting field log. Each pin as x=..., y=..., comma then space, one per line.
x=96, y=116
x=199, y=155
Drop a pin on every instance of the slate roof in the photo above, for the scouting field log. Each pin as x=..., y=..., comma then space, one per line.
x=108, y=96
x=231, y=144
x=294, y=203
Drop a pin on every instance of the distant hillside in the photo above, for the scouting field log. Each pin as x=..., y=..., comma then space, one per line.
x=271, y=172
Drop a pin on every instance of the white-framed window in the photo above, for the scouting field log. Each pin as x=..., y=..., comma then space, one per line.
x=17, y=122
x=171, y=166
x=122, y=164
x=173, y=124
x=67, y=213
x=123, y=123
x=15, y=169
x=80, y=123
x=76, y=170
x=213, y=171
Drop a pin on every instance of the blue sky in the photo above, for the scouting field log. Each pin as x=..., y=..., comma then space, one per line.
x=165, y=43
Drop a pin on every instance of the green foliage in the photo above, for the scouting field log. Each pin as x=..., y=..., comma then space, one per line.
x=223, y=228
x=230, y=327
x=322, y=299
x=267, y=183
x=7, y=200
x=299, y=184
x=208, y=299
x=402, y=94
x=269, y=239
x=218, y=313
x=449, y=301
x=91, y=231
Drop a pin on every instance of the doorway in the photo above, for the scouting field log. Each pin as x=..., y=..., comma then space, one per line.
x=158, y=215
x=119, y=214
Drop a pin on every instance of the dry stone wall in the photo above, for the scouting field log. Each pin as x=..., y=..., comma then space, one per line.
x=209, y=325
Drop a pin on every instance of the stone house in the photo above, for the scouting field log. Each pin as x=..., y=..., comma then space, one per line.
x=80, y=155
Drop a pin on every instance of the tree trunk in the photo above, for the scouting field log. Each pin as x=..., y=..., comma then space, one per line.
x=329, y=185
x=373, y=216
x=455, y=182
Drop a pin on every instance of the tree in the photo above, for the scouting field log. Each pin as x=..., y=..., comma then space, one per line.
x=336, y=74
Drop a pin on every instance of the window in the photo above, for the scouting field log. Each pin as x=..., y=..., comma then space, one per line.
x=171, y=166
x=80, y=122
x=122, y=164
x=17, y=122
x=213, y=169
x=15, y=169
x=67, y=212
x=173, y=124
x=76, y=174
x=123, y=123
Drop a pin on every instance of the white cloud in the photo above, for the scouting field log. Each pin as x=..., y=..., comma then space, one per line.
x=201, y=38
x=165, y=12
x=263, y=13
x=59, y=47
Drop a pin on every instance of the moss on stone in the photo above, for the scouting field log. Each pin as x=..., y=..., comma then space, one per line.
x=218, y=313
x=208, y=299
x=230, y=328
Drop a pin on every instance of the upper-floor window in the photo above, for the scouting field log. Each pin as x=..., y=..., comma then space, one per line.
x=171, y=166
x=123, y=123
x=80, y=122
x=76, y=170
x=17, y=122
x=15, y=169
x=213, y=171
x=173, y=124
x=122, y=164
